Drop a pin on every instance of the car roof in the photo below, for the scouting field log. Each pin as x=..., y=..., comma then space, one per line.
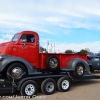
x=93, y=56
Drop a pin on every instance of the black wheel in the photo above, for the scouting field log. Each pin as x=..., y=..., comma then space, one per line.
x=64, y=84
x=29, y=88
x=16, y=71
x=79, y=70
x=48, y=86
x=91, y=69
x=52, y=63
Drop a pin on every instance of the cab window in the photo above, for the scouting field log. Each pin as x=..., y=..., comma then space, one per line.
x=28, y=38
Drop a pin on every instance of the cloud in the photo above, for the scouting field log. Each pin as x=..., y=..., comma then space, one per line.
x=68, y=14
x=6, y=37
x=48, y=17
x=3, y=40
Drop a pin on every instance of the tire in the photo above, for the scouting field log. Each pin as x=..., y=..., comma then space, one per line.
x=29, y=88
x=64, y=84
x=52, y=63
x=48, y=86
x=79, y=70
x=16, y=71
x=91, y=69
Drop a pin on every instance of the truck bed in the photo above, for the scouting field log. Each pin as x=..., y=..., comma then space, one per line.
x=63, y=58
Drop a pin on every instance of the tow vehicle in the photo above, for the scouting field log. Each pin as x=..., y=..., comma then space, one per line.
x=94, y=62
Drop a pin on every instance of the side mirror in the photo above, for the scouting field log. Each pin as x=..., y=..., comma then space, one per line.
x=24, y=41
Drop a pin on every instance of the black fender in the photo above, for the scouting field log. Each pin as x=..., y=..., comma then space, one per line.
x=72, y=64
x=12, y=59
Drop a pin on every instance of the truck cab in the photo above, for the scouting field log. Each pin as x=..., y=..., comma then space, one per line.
x=20, y=55
x=24, y=45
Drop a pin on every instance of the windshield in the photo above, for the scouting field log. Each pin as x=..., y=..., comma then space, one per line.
x=15, y=38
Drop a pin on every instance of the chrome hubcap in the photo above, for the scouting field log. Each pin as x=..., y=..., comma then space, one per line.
x=65, y=84
x=49, y=87
x=53, y=62
x=30, y=89
x=16, y=72
x=80, y=70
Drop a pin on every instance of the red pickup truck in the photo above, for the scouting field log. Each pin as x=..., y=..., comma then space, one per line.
x=21, y=56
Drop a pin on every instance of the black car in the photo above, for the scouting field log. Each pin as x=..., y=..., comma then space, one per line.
x=94, y=62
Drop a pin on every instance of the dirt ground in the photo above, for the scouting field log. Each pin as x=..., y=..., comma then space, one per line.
x=84, y=90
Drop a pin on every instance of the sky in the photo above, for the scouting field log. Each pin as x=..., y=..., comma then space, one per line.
x=66, y=24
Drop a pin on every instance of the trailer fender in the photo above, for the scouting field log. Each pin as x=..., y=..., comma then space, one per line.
x=4, y=63
x=72, y=64
x=21, y=82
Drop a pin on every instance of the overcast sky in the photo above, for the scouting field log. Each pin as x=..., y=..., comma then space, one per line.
x=69, y=24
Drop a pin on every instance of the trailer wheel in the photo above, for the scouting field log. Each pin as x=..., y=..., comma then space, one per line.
x=29, y=88
x=48, y=86
x=79, y=70
x=16, y=71
x=52, y=63
x=64, y=84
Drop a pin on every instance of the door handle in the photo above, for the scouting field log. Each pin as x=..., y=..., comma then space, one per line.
x=14, y=49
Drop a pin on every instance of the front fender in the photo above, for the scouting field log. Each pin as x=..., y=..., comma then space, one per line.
x=72, y=64
x=11, y=59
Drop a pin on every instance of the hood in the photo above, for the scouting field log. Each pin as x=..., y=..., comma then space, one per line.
x=5, y=48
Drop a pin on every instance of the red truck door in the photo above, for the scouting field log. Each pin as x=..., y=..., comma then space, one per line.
x=29, y=49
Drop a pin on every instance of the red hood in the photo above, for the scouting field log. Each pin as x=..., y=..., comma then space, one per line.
x=4, y=47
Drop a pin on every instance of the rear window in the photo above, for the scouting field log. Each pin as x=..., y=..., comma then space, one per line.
x=96, y=59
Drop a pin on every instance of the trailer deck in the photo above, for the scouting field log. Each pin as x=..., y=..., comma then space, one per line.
x=7, y=86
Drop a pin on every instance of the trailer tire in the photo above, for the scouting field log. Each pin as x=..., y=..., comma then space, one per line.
x=29, y=88
x=16, y=70
x=64, y=84
x=52, y=63
x=79, y=70
x=48, y=86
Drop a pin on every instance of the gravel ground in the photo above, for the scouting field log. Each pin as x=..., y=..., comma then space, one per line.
x=84, y=90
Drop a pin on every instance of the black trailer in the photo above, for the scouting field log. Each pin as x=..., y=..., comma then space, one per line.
x=29, y=85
